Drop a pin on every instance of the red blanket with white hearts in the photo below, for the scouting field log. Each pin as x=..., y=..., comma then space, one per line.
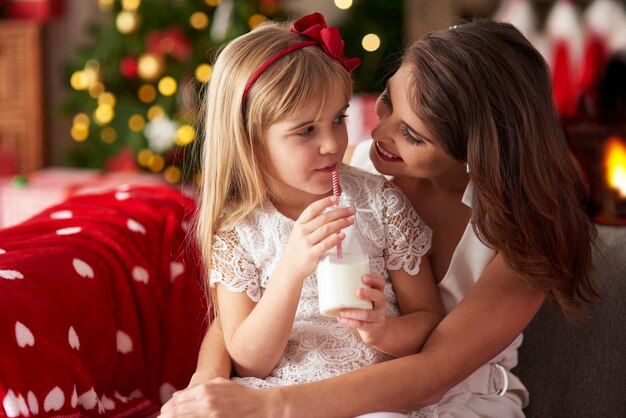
x=101, y=305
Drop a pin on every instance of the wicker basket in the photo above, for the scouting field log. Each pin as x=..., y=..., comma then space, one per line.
x=21, y=118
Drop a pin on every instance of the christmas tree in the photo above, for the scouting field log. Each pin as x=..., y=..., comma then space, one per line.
x=136, y=85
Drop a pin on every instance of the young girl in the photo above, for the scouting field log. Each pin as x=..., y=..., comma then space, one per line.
x=275, y=132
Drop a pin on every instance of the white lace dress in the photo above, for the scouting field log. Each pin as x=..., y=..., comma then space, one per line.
x=319, y=347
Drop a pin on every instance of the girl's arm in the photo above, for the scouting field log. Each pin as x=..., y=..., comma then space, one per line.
x=213, y=359
x=421, y=310
x=490, y=317
x=256, y=334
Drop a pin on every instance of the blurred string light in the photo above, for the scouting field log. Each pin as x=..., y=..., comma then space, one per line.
x=104, y=114
x=199, y=20
x=370, y=42
x=147, y=93
x=256, y=20
x=127, y=22
x=203, y=72
x=106, y=98
x=172, y=174
x=167, y=86
x=343, y=4
x=131, y=5
x=108, y=135
x=136, y=123
x=155, y=112
x=213, y=3
x=185, y=135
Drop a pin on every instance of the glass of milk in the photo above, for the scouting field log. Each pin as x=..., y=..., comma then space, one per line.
x=340, y=271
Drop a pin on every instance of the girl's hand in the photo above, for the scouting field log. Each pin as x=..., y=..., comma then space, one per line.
x=314, y=233
x=369, y=323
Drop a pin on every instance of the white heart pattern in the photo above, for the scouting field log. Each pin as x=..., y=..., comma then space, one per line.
x=74, y=398
x=107, y=403
x=54, y=400
x=69, y=231
x=122, y=195
x=62, y=214
x=140, y=274
x=72, y=338
x=2, y=251
x=83, y=269
x=135, y=226
x=10, y=405
x=176, y=269
x=11, y=274
x=89, y=399
x=124, y=342
x=33, y=405
x=23, y=335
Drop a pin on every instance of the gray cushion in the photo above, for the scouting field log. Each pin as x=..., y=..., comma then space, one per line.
x=579, y=370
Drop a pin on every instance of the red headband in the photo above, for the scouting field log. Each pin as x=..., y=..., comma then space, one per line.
x=312, y=26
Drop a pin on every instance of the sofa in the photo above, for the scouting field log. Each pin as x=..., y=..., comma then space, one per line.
x=102, y=313
x=578, y=370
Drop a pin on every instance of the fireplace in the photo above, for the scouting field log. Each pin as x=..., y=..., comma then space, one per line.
x=601, y=153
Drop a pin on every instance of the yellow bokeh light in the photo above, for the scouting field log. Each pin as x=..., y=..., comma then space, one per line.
x=126, y=22
x=185, y=135
x=79, y=133
x=167, y=86
x=78, y=81
x=136, y=123
x=81, y=119
x=96, y=89
x=172, y=174
x=199, y=20
x=343, y=4
x=204, y=72
x=143, y=157
x=108, y=135
x=104, y=114
x=213, y=3
x=155, y=112
x=105, y=5
x=106, y=98
x=156, y=163
x=130, y=4
x=147, y=93
x=371, y=42
x=256, y=20
x=92, y=65
x=149, y=66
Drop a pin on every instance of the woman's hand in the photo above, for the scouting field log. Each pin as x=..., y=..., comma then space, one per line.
x=371, y=324
x=218, y=398
x=314, y=233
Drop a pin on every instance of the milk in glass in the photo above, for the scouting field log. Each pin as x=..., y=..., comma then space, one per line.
x=340, y=271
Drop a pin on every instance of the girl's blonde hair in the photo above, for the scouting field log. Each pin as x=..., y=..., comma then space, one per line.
x=233, y=180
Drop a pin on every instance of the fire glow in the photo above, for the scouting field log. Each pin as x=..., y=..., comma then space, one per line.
x=615, y=164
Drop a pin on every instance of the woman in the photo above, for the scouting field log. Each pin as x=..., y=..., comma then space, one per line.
x=469, y=132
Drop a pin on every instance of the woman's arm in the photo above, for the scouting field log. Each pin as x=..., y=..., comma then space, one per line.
x=490, y=317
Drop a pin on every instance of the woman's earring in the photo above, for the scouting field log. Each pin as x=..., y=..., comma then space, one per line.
x=467, y=168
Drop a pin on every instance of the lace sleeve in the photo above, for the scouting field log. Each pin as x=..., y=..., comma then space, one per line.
x=408, y=237
x=231, y=268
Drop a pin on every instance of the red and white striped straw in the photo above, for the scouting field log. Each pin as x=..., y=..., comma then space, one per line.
x=336, y=186
x=336, y=194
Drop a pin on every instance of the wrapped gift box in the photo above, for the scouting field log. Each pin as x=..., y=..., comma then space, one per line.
x=50, y=186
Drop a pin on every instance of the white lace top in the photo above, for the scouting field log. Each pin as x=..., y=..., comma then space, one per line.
x=319, y=347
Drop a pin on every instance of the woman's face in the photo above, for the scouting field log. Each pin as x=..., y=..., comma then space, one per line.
x=403, y=144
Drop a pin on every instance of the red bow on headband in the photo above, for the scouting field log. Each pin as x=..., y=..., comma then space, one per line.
x=314, y=27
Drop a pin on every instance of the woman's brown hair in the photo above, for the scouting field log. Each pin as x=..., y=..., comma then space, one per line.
x=486, y=94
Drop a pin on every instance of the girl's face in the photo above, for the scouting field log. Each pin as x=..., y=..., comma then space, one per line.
x=403, y=144
x=302, y=152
